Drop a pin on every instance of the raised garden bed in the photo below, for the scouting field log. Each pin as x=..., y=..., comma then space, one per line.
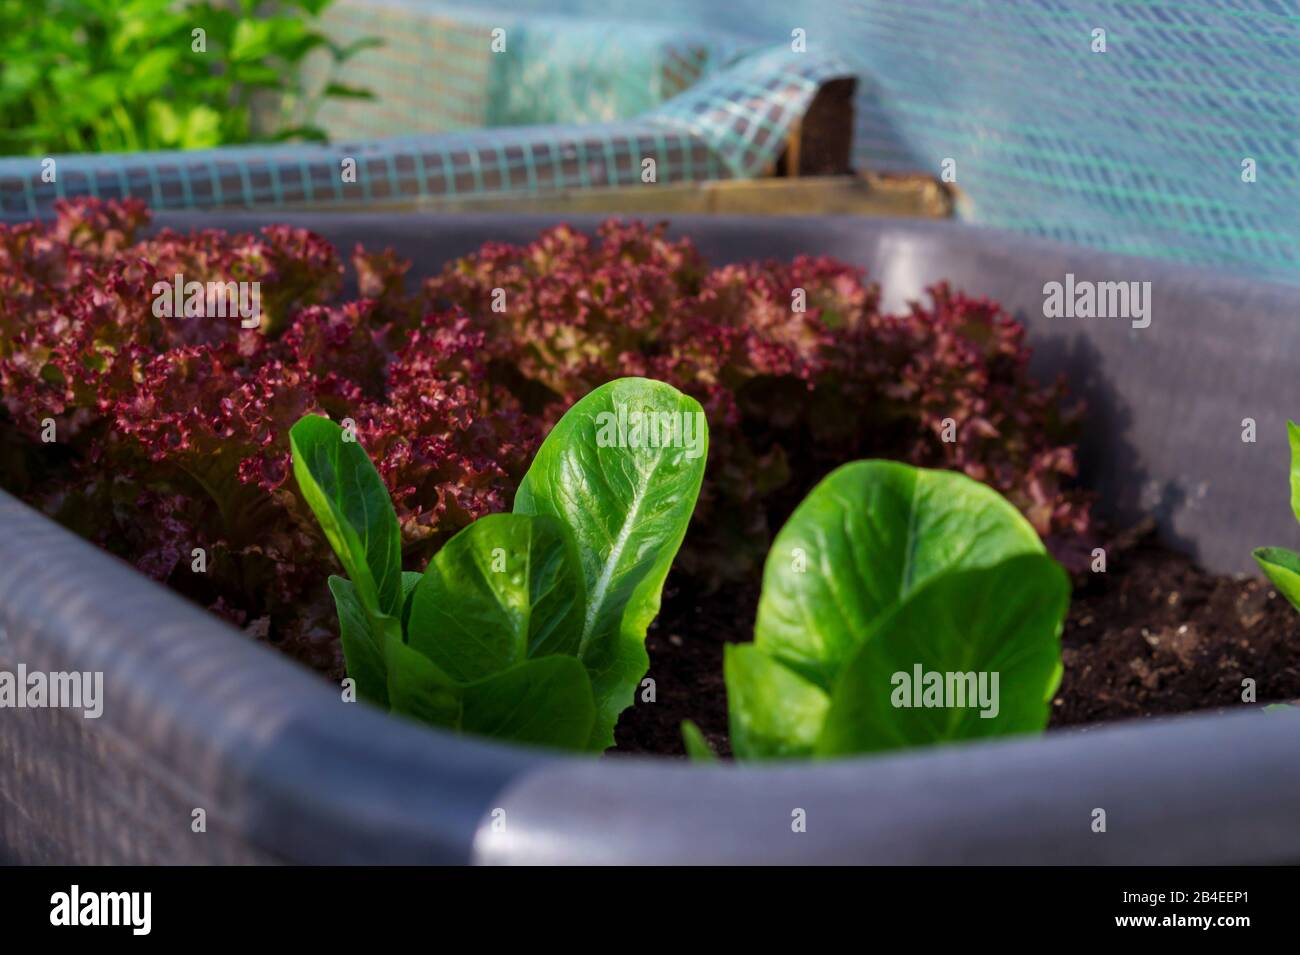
x=206, y=719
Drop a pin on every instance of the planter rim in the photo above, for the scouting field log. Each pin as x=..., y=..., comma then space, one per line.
x=301, y=776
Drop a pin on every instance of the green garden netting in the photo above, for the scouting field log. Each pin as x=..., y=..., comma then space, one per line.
x=731, y=124
x=1145, y=148
x=437, y=70
x=1138, y=149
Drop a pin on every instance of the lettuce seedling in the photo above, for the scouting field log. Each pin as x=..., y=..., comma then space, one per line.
x=900, y=607
x=1280, y=565
x=527, y=626
x=697, y=747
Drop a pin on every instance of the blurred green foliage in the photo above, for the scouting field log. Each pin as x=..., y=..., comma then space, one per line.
x=126, y=75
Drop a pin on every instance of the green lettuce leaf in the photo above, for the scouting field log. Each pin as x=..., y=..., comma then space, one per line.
x=507, y=588
x=1293, y=439
x=417, y=688
x=864, y=539
x=970, y=654
x=363, y=645
x=627, y=504
x=351, y=503
x=697, y=747
x=543, y=702
x=774, y=713
x=1282, y=567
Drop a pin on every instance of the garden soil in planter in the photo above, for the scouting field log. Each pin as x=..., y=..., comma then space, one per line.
x=1155, y=635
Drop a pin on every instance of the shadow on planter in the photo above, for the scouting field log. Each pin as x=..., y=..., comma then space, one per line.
x=200, y=724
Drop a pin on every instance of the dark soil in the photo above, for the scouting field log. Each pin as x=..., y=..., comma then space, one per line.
x=1154, y=635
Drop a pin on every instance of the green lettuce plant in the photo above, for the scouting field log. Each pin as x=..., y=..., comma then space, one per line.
x=1280, y=565
x=528, y=626
x=889, y=595
x=128, y=75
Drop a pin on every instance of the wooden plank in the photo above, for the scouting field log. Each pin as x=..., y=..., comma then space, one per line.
x=866, y=194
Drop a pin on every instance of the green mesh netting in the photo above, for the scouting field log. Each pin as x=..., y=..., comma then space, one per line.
x=732, y=124
x=1138, y=149
x=437, y=71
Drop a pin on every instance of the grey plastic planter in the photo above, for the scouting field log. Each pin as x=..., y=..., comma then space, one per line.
x=196, y=716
